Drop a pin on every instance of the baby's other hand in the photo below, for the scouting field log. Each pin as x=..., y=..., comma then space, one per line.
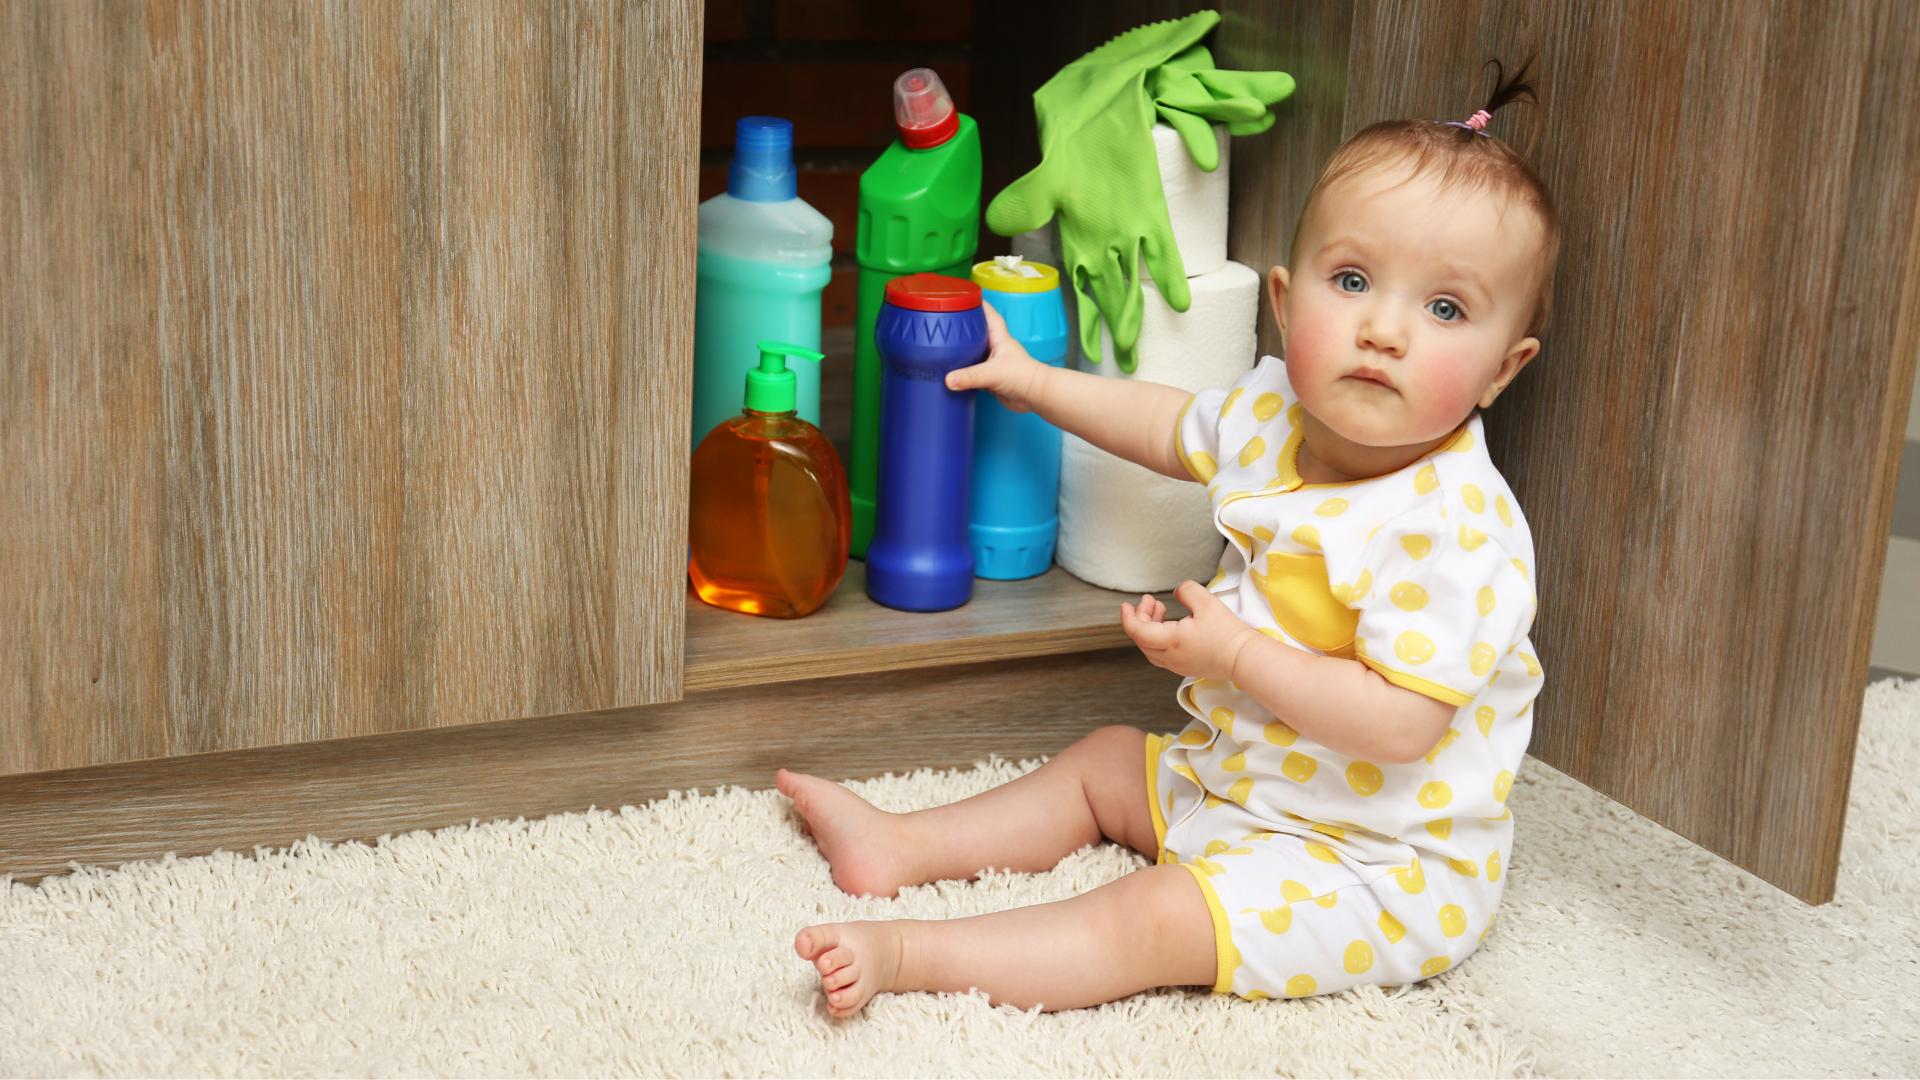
x=1008, y=372
x=1202, y=645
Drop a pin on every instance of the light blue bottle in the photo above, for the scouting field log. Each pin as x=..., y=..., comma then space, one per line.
x=765, y=256
x=1016, y=456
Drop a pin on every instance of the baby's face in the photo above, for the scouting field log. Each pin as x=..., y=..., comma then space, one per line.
x=1407, y=305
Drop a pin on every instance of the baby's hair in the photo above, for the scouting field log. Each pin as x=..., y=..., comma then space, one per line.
x=1462, y=153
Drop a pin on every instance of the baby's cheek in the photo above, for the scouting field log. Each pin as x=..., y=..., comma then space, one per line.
x=1450, y=386
x=1309, y=351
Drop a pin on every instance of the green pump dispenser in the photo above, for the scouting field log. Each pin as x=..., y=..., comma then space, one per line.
x=771, y=388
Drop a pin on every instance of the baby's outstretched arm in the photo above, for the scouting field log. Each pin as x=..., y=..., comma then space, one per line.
x=1137, y=421
x=1340, y=704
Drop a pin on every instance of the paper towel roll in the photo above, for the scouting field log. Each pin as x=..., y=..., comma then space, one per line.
x=1209, y=344
x=1123, y=526
x=1196, y=201
x=1041, y=245
x=1126, y=527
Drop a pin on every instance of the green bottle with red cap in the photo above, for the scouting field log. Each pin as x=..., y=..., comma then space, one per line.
x=919, y=212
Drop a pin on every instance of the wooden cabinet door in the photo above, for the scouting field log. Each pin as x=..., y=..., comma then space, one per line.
x=1706, y=446
x=344, y=354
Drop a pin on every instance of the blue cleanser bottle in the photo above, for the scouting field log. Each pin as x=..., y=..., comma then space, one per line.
x=1016, y=456
x=921, y=558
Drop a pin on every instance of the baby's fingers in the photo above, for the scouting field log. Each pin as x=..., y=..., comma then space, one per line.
x=1150, y=609
x=1196, y=596
x=1146, y=633
x=965, y=378
x=996, y=327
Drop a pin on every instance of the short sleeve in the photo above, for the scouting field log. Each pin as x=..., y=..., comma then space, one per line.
x=1198, y=431
x=1446, y=603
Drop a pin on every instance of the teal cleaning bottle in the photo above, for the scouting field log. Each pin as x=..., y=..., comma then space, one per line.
x=764, y=259
x=919, y=212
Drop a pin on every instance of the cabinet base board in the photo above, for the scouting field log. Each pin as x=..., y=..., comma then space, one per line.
x=363, y=788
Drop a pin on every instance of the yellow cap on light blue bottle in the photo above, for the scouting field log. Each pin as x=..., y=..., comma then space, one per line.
x=1010, y=273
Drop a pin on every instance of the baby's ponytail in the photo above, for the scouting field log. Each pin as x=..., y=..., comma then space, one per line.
x=1515, y=88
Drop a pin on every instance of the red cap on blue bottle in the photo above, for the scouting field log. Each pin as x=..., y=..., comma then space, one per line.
x=933, y=292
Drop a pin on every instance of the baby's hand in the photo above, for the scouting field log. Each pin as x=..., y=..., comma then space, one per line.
x=1203, y=645
x=1008, y=372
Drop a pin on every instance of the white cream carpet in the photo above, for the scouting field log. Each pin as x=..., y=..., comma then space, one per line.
x=656, y=941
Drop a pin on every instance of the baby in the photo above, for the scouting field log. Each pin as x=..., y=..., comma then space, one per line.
x=1358, y=675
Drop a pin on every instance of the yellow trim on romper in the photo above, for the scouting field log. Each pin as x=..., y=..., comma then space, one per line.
x=1293, y=466
x=1418, y=685
x=1289, y=462
x=1155, y=744
x=1180, y=443
x=1226, y=957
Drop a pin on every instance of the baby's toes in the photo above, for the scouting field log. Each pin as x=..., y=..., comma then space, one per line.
x=845, y=1001
x=834, y=960
x=845, y=976
x=813, y=941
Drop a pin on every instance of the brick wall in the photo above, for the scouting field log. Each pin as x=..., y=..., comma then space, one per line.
x=828, y=66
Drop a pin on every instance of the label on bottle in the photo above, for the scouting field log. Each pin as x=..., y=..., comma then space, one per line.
x=919, y=371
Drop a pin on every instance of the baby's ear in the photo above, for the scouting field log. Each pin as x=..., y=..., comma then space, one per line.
x=1279, y=282
x=1518, y=357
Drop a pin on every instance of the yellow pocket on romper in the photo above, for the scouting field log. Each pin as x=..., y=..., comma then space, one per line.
x=1303, y=603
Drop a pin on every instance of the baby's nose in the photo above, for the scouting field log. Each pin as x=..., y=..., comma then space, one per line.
x=1383, y=335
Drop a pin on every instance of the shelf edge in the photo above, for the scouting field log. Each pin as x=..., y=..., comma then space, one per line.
x=727, y=674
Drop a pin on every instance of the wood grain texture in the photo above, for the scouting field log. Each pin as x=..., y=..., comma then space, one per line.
x=1706, y=446
x=1274, y=170
x=366, y=787
x=1053, y=613
x=339, y=367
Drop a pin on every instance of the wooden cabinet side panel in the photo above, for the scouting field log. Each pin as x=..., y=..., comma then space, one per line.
x=1274, y=170
x=658, y=154
x=339, y=399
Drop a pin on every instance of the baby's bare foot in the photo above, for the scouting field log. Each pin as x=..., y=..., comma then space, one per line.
x=855, y=961
x=866, y=847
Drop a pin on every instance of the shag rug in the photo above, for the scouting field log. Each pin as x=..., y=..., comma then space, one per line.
x=657, y=941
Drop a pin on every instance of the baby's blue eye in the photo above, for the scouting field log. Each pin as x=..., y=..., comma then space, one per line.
x=1444, y=310
x=1351, y=281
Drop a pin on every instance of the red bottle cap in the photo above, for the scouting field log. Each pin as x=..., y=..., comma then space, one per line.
x=933, y=292
x=923, y=110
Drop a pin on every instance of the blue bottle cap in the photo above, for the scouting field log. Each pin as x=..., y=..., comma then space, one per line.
x=762, y=169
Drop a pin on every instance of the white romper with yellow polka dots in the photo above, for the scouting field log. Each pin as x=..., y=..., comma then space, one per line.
x=1323, y=871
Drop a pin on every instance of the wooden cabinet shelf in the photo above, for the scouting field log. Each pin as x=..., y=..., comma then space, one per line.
x=1053, y=613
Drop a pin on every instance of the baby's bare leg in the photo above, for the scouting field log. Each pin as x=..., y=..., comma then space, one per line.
x=1150, y=928
x=1095, y=788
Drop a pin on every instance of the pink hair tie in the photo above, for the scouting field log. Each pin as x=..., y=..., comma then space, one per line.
x=1476, y=122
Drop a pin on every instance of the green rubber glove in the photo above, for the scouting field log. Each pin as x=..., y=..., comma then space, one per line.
x=1099, y=172
x=1191, y=95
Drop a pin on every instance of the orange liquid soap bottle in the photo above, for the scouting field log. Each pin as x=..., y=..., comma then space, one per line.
x=769, y=522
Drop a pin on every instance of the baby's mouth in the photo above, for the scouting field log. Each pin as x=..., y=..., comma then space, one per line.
x=1371, y=375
